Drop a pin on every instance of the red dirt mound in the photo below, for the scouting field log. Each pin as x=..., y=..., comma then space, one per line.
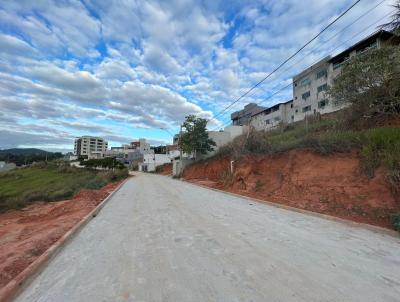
x=25, y=234
x=166, y=169
x=328, y=184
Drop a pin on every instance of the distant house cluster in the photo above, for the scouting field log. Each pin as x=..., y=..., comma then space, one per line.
x=309, y=90
x=137, y=153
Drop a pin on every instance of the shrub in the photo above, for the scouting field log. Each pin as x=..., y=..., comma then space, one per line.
x=396, y=221
x=382, y=146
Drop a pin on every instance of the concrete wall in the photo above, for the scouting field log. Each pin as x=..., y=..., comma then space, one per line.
x=221, y=138
x=152, y=161
x=179, y=165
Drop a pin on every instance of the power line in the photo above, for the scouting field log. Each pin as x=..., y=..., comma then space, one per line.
x=330, y=38
x=335, y=35
x=343, y=43
x=289, y=58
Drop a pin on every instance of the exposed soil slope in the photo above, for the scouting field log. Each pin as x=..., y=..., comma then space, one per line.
x=25, y=234
x=329, y=184
x=166, y=169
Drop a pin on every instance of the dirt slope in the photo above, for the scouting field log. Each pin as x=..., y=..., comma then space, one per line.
x=25, y=234
x=166, y=169
x=329, y=184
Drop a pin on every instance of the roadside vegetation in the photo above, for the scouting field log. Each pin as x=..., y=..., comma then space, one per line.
x=368, y=91
x=194, y=139
x=51, y=181
x=105, y=163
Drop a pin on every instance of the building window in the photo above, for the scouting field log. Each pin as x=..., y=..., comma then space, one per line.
x=292, y=117
x=322, y=74
x=291, y=105
x=373, y=45
x=322, y=88
x=306, y=109
x=297, y=110
x=305, y=82
x=322, y=104
x=305, y=95
x=267, y=122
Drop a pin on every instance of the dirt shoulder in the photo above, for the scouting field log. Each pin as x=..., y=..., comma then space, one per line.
x=328, y=184
x=25, y=234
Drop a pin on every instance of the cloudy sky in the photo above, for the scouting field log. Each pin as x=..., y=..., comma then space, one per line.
x=124, y=69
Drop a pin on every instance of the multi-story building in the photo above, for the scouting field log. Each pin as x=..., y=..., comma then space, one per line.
x=242, y=117
x=270, y=118
x=90, y=146
x=310, y=86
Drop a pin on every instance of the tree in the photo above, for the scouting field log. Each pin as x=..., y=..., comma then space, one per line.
x=195, y=137
x=370, y=83
x=394, y=24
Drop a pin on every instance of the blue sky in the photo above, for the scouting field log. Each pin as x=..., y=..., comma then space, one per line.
x=124, y=69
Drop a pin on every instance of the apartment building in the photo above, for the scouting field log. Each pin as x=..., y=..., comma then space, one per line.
x=90, y=146
x=310, y=86
x=272, y=117
x=309, y=91
x=242, y=117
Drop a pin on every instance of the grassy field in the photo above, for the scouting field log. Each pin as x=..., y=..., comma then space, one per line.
x=49, y=182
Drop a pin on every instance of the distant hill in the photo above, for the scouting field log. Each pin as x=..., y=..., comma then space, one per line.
x=24, y=151
x=23, y=156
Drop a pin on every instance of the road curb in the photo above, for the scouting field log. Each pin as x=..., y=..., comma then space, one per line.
x=16, y=285
x=370, y=227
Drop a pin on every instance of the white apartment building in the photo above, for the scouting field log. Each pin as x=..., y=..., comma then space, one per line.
x=309, y=89
x=270, y=118
x=90, y=146
x=310, y=86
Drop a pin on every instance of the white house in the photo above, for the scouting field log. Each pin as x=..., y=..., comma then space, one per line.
x=152, y=161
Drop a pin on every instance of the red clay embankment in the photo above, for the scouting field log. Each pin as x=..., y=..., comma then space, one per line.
x=25, y=234
x=328, y=184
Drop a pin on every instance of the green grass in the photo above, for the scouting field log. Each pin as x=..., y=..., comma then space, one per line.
x=377, y=146
x=49, y=183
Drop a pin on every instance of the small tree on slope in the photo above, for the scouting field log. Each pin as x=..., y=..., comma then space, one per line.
x=195, y=137
x=370, y=83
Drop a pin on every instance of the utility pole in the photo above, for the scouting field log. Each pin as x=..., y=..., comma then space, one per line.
x=180, y=143
x=180, y=151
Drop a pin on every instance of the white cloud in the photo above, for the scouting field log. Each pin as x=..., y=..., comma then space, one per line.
x=109, y=66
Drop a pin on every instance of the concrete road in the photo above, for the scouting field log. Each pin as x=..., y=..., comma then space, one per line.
x=160, y=239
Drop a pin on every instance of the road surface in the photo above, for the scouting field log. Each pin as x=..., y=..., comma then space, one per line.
x=159, y=239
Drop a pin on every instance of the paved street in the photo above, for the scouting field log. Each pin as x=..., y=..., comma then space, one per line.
x=160, y=239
